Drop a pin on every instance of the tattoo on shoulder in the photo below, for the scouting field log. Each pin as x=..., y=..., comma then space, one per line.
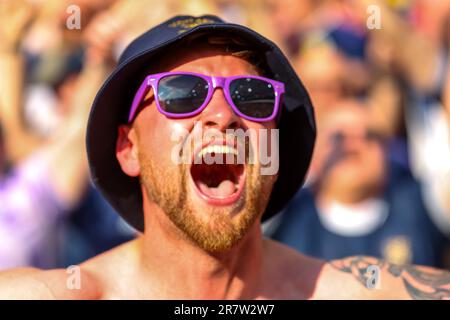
x=420, y=282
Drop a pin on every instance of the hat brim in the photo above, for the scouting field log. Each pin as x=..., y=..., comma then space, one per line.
x=111, y=106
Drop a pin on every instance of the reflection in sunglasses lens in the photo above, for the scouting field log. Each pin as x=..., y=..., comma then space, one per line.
x=180, y=94
x=253, y=97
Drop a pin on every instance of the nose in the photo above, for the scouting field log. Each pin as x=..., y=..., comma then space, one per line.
x=218, y=114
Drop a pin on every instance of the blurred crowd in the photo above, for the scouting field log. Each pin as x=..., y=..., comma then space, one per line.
x=379, y=182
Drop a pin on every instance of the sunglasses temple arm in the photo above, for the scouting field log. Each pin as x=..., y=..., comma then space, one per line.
x=280, y=108
x=140, y=94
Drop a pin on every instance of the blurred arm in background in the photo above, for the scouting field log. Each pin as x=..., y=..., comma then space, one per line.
x=415, y=50
x=398, y=46
x=39, y=189
x=64, y=152
x=19, y=142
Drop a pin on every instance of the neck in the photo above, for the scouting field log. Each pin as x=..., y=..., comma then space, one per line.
x=177, y=268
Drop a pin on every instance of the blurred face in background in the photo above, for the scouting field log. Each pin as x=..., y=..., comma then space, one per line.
x=349, y=159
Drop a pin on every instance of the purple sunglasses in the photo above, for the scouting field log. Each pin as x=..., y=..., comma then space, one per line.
x=186, y=94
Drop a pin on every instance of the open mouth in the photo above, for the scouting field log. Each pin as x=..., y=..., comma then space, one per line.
x=218, y=182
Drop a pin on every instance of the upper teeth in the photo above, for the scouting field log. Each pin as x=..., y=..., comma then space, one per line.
x=218, y=149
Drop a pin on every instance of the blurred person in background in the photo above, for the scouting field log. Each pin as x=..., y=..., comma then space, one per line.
x=403, y=68
x=427, y=120
x=334, y=58
x=342, y=77
x=359, y=202
x=410, y=50
x=42, y=188
x=334, y=80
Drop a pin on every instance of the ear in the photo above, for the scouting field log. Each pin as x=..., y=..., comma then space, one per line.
x=126, y=151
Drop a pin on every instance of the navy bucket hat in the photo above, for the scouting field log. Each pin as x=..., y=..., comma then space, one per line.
x=110, y=108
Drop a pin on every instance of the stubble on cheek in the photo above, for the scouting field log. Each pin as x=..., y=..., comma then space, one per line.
x=219, y=231
x=164, y=187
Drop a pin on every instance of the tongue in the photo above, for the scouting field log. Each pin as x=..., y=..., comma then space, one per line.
x=225, y=189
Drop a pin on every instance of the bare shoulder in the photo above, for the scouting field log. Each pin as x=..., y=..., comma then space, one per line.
x=89, y=280
x=290, y=259
x=357, y=277
x=30, y=283
x=292, y=275
x=362, y=277
x=114, y=269
x=113, y=259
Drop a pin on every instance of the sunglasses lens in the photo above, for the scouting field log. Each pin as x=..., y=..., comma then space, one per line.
x=182, y=94
x=253, y=97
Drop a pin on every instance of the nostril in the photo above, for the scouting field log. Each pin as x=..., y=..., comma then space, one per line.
x=234, y=125
x=211, y=124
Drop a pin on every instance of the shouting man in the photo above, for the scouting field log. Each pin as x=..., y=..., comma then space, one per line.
x=166, y=148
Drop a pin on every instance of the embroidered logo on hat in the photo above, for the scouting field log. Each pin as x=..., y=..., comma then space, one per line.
x=189, y=23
